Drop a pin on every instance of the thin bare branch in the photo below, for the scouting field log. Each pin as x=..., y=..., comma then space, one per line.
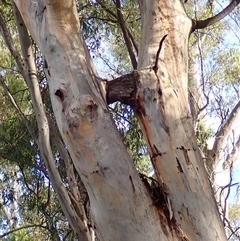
x=133, y=41
x=202, y=74
x=4, y=156
x=210, y=21
x=228, y=191
x=24, y=227
x=233, y=232
x=17, y=108
x=231, y=157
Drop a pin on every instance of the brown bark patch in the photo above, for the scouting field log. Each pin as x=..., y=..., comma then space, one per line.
x=170, y=227
x=123, y=89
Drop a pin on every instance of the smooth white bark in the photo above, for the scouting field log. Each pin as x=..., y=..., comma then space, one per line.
x=167, y=123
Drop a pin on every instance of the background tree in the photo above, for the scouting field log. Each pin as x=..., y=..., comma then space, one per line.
x=234, y=227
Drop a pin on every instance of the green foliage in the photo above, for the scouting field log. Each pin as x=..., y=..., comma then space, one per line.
x=231, y=71
x=203, y=134
x=20, y=235
x=103, y=33
x=234, y=218
x=14, y=136
x=132, y=136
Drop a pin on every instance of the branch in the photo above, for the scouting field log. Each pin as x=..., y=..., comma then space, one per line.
x=9, y=43
x=11, y=159
x=122, y=89
x=228, y=186
x=225, y=128
x=231, y=157
x=106, y=9
x=133, y=41
x=31, y=191
x=17, y=108
x=210, y=21
x=233, y=232
x=24, y=227
x=126, y=35
x=129, y=40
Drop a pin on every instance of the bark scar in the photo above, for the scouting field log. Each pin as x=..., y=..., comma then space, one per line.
x=179, y=166
x=185, y=153
x=133, y=187
x=60, y=94
x=156, y=152
x=155, y=67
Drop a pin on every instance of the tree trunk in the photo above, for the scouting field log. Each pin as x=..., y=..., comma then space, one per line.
x=121, y=206
x=163, y=111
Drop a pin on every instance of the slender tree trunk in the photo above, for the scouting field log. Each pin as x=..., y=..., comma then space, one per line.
x=121, y=206
x=195, y=83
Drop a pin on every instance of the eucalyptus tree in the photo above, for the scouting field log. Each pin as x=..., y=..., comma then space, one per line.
x=176, y=205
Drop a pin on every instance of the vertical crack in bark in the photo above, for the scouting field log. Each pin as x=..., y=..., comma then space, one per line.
x=185, y=153
x=133, y=187
x=155, y=67
x=179, y=166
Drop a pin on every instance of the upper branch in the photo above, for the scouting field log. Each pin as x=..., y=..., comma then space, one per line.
x=18, y=109
x=129, y=40
x=210, y=21
x=126, y=35
x=231, y=157
x=10, y=45
x=224, y=130
x=24, y=227
x=133, y=41
x=106, y=9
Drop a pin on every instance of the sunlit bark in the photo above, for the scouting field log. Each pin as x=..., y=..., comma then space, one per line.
x=165, y=117
x=118, y=197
